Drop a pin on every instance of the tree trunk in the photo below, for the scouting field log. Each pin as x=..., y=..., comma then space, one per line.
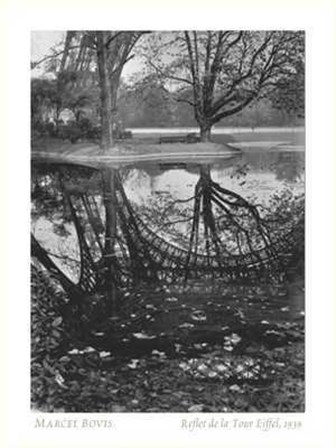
x=77, y=114
x=110, y=237
x=43, y=257
x=105, y=92
x=114, y=98
x=108, y=175
x=57, y=119
x=205, y=132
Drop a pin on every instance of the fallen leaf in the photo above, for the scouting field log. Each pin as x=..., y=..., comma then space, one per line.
x=60, y=380
x=186, y=325
x=198, y=315
x=143, y=336
x=104, y=354
x=171, y=299
x=196, y=408
x=56, y=322
x=133, y=364
x=118, y=408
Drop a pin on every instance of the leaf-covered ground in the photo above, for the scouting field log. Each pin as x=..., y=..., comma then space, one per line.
x=238, y=349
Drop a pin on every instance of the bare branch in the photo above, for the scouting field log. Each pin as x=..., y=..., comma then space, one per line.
x=166, y=75
x=53, y=56
x=233, y=110
x=185, y=100
x=112, y=38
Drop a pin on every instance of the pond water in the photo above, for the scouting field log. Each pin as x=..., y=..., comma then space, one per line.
x=246, y=193
x=254, y=175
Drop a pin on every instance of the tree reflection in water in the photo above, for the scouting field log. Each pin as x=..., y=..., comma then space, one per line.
x=215, y=233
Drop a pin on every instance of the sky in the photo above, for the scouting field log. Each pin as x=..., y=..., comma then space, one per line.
x=42, y=41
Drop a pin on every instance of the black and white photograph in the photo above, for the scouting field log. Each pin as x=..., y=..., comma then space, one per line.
x=167, y=221
x=168, y=224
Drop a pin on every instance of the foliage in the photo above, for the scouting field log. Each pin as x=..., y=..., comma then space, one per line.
x=97, y=56
x=47, y=330
x=78, y=92
x=289, y=92
x=154, y=105
x=69, y=90
x=242, y=365
x=140, y=106
x=43, y=98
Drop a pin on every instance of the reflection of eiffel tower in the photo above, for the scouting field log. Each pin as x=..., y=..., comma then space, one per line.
x=140, y=254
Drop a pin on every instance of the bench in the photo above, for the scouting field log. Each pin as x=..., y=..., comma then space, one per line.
x=189, y=138
x=173, y=139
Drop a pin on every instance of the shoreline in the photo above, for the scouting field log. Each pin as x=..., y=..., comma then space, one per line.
x=60, y=151
x=145, y=147
x=218, y=130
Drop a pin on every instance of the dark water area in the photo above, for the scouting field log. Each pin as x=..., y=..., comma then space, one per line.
x=161, y=196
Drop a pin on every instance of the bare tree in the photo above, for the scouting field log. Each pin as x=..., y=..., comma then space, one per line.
x=219, y=73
